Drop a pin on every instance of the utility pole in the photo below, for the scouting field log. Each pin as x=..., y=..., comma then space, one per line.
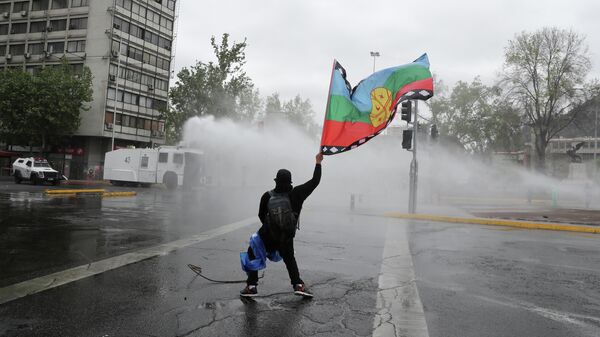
x=414, y=165
x=374, y=54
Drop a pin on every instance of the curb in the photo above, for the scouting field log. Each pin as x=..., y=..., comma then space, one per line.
x=84, y=182
x=498, y=222
x=63, y=191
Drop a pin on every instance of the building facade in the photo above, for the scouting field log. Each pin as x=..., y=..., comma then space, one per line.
x=127, y=44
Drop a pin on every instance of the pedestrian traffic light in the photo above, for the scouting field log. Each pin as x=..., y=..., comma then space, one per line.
x=406, y=111
x=407, y=136
x=434, y=132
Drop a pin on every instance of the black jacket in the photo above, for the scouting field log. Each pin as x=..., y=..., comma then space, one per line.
x=297, y=196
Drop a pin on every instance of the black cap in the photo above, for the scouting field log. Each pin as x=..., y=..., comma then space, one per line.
x=283, y=176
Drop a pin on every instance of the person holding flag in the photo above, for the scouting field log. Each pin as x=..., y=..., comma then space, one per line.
x=279, y=212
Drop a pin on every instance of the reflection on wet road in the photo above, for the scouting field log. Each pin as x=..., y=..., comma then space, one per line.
x=42, y=234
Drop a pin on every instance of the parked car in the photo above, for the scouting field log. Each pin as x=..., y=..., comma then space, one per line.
x=36, y=170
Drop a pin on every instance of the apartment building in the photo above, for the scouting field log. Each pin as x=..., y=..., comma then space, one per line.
x=127, y=44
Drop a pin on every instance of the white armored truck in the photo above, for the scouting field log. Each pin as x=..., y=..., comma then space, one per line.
x=169, y=165
x=36, y=170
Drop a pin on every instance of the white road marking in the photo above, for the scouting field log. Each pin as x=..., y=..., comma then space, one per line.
x=555, y=315
x=399, y=307
x=36, y=285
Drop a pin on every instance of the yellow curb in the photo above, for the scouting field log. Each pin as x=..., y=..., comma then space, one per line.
x=75, y=191
x=119, y=194
x=498, y=222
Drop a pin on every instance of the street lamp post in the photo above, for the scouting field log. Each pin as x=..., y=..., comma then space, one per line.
x=595, y=142
x=414, y=166
x=374, y=54
x=112, y=147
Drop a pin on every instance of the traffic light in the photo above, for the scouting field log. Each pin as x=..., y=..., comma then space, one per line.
x=434, y=132
x=406, y=111
x=407, y=136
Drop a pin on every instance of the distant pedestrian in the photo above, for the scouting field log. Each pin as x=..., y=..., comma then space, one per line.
x=279, y=212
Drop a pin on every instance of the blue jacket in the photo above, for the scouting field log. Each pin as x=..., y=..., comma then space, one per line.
x=260, y=254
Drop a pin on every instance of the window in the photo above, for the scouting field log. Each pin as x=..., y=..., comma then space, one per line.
x=17, y=49
x=161, y=85
x=147, y=124
x=140, y=123
x=37, y=26
x=36, y=48
x=163, y=157
x=2, y=49
x=40, y=5
x=178, y=158
x=153, y=16
x=163, y=63
x=166, y=23
x=76, y=68
x=164, y=43
x=108, y=117
x=151, y=37
x=56, y=47
x=3, y=29
x=20, y=6
x=158, y=104
x=76, y=46
x=79, y=3
x=58, y=25
x=125, y=120
x=19, y=28
x=28, y=163
x=147, y=80
x=171, y=4
x=136, y=31
x=144, y=163
x=78, y=23
x=5, y=7
x=124, y=4
x=139, y=10
x=119, y=119
x=134, y=53
x=58, y=4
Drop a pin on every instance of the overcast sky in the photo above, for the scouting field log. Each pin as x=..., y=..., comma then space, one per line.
x=291, y=43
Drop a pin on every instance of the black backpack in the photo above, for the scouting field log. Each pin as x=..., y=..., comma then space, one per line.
x=281, y=220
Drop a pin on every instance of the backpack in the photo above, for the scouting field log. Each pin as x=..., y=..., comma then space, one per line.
x=281, y=220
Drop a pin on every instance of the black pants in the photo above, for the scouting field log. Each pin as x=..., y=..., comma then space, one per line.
x=287, y=253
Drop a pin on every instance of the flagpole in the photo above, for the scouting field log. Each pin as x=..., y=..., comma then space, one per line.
x=328, y=101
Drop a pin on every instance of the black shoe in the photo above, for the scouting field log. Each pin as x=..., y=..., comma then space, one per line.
x=249, y=291
x=300, y=290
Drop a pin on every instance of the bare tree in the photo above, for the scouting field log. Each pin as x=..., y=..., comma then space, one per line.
x=545, y=72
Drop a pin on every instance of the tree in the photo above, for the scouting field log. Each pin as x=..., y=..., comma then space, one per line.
x=545, y=73
x=220, y=88
x=39, y=107
x=297, y=111
x=478, y=117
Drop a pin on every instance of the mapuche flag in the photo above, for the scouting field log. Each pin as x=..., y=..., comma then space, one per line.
x=355, y=115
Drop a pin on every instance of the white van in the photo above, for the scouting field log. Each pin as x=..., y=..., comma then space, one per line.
x=169, y=165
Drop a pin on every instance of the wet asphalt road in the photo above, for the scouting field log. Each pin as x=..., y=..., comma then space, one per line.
x=472, y=280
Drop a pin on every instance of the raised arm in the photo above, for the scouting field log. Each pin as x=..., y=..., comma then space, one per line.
x=304, y=190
